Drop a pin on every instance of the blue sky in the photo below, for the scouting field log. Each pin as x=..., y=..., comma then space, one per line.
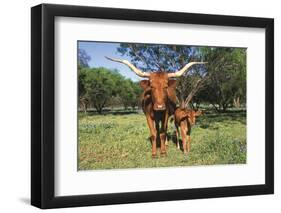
x=97, y=51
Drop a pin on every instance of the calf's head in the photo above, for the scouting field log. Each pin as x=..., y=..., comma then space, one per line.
x=159, y=83
x=192, y=116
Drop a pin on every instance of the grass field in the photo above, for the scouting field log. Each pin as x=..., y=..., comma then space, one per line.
x=121, y=140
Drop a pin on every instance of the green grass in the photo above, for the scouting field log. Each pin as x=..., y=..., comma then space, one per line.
x=118, y=140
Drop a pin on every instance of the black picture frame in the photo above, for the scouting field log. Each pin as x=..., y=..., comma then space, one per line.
x=43, y=102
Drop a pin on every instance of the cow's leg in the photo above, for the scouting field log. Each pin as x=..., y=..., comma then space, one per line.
x=153, y=134
x=162, y=145
x=183, y=129
x=177, y=136
x=188, y=143
x=163, y=132
x=188, y=132
x=166, y=142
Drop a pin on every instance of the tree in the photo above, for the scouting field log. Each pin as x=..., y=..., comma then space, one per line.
x=129, y=93
x=103, y=87
x=227, y=77
x=81, y=81
x=169, y=58
x=83, y=58
x=135, y=101
x=100, y=85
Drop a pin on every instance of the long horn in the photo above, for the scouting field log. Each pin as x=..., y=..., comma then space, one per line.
x=131, y=66
x=183, y=70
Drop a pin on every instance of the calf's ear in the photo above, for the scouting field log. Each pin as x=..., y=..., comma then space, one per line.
x=172, y=83
x=144, y=84
x=198, y=112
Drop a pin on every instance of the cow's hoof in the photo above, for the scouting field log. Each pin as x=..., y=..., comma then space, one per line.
x=163, y=154
x=154, y=155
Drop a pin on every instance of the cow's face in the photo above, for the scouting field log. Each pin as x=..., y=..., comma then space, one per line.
x=161, y=88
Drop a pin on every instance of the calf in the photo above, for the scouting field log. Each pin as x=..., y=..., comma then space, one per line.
x=184, y=119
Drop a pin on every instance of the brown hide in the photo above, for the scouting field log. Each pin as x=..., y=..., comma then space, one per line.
x=184, y=119
x=158, y=103
x=159, y=91
x=181, y=114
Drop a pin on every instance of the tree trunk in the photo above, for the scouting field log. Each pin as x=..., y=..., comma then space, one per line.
x=236, y=102
x=182, y=104
x=99, y=109
x=192, y=105
x=216, y=108
x=224, y=107
x=197, y=105
x=85, y=109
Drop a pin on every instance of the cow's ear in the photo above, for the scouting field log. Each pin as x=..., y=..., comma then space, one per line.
x=172, y=91
x=144, y=84
x=172, y=83
x=198, y=112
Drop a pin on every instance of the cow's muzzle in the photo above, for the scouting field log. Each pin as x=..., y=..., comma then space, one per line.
x=159, y=107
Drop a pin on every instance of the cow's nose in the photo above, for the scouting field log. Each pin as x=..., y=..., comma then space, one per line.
x=160, y=107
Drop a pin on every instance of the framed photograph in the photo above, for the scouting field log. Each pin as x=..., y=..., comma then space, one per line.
x=140, y=106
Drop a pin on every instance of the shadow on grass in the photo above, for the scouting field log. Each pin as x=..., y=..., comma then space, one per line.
x=111, y=112
x=205, y=121
x=208, y=118
x=172, y=137
x=172, y=140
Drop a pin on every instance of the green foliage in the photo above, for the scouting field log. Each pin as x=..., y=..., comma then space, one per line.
x=100, y=86
x=157, y=57
x=129, y=93
x=105, y=87
x=227, y=76
x=81, y=81
x=120, y=139
x=83, y=59
x=117, y=140
x=222, y=81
